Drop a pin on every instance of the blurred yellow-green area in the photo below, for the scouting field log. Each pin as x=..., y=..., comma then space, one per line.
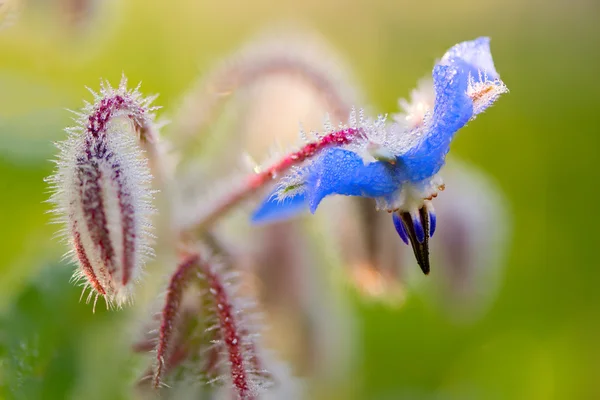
x=539, y=338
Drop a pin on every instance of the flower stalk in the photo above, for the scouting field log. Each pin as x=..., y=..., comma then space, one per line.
x=259, y=180
x=177, y=284
x=233, y=341
x=306, y=60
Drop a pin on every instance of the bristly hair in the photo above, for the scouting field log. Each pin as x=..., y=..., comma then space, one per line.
x=101, y=191
x=234, y=358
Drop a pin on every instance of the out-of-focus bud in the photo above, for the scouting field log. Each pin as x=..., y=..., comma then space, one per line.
x=308, y=323
x=297, y=66
x=368, y=246
x=468, y=245
x=101, y=192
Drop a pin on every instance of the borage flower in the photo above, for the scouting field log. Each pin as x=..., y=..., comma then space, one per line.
x=397, y=163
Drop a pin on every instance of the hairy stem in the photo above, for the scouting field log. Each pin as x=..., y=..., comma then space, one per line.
x=231, y=334
x=243, y=69
x=257, y=181
x=177, y=285
x=245, y=368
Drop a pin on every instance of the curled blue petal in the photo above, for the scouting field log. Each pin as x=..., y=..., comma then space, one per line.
x=452, y=110
x=273, y=209
x=472, y=57
x=344, y=172
x=465, y=83
x=475, y=59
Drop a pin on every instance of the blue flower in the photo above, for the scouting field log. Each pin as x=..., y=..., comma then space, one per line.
x=396, y=163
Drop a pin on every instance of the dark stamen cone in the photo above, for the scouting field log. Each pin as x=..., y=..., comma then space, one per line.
x=420, y=248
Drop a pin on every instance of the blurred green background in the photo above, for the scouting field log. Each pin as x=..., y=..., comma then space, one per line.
x=539, y=340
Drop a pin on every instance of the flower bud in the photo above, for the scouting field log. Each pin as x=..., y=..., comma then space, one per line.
x=102, y=193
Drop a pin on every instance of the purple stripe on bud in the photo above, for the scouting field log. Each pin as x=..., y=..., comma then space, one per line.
x=86, y=267
x=107, y=213
x=129, y=236
x=89, y=178
x=100, y=174
x=104, y=111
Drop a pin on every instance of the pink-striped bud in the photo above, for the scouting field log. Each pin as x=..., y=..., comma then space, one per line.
x=102, y=193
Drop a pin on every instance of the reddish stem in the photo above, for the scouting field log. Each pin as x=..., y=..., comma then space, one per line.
x=205, y=100
x=242, y=355
x=177, y=356
x=231, y=333
x=170, y=310
x=257, y=181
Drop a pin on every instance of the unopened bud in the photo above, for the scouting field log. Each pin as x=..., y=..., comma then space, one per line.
x=102, y=192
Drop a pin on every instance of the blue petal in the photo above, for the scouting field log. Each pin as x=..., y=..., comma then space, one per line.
x=472, y=57
x=340, y=171
x=273, y=209
x=399, y=225
x=432, y=223
x=452, y=110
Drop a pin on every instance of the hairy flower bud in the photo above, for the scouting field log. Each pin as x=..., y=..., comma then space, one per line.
x=102, y=194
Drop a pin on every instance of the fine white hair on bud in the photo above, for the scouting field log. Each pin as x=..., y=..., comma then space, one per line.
x=102, y=192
